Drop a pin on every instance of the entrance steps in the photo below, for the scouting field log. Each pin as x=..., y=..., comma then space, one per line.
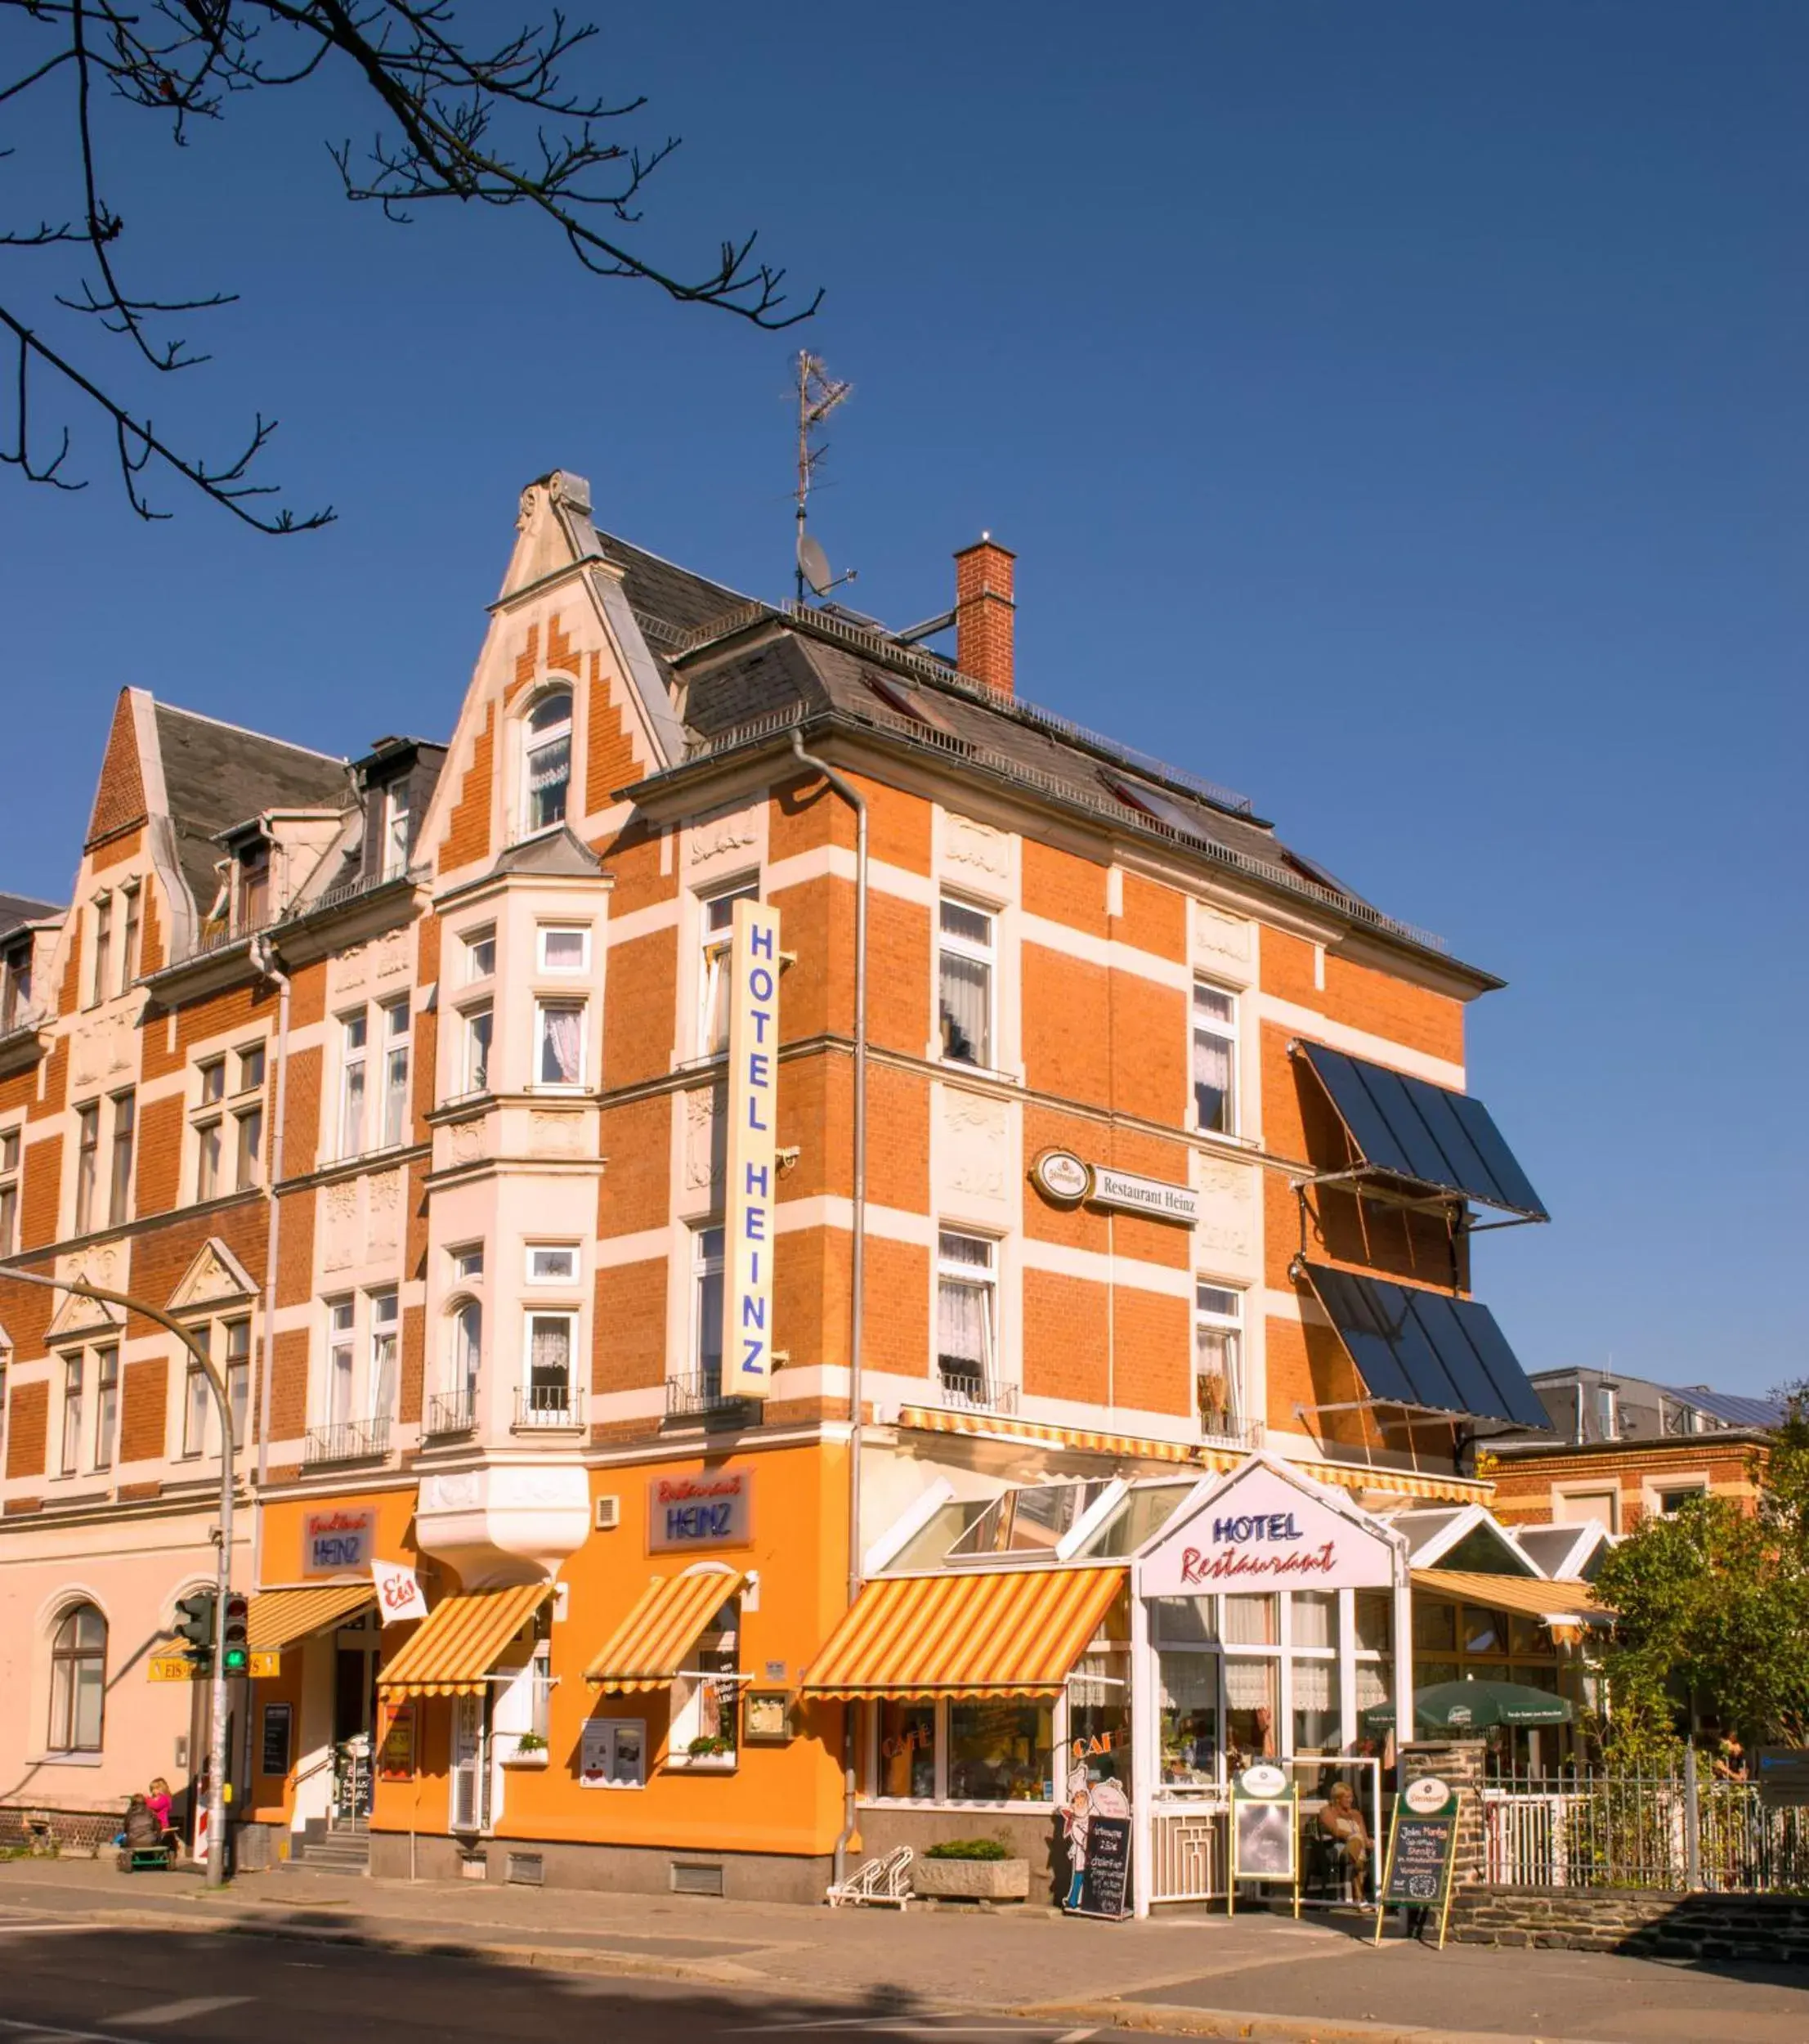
x=345, y=1849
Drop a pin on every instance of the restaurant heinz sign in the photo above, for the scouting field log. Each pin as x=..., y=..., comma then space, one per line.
x=712, y=1510
x=1261, y=1529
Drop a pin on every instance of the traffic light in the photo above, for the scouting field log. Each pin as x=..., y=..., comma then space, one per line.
x=235, y=1654
x=194, y=1622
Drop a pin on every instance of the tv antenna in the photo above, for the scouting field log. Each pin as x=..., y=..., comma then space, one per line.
x=818, y=395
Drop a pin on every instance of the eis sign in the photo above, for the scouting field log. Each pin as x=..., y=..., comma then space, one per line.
x=1260, y=1530
x=751, y=1163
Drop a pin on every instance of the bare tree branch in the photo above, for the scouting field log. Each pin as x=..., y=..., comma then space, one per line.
x=488, y=122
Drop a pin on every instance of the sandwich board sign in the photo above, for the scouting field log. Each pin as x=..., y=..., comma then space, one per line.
x=1422, y=1852
x=1266, y=1830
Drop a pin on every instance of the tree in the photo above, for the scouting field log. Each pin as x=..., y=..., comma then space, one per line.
x=492, y=125
x=1713, y=1609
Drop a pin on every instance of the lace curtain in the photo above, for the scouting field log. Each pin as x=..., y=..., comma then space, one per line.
x=561, y=1044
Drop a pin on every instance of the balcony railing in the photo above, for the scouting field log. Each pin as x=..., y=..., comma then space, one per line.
x=704, y=1398
x=960, y=1390
x=1225, y=1429
x=449, y=1412
x=346, y=1440
x=547, y=1408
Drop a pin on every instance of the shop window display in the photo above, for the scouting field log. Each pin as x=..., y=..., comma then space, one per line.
x=1001, y=1752
x=1098, y=1718
x=1251, y=1701
x=1189, y=1719
x=907, y=1750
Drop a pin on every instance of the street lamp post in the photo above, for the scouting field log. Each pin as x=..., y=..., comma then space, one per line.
x=229, y=1451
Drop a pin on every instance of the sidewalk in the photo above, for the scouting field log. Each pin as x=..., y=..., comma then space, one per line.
x=1254, y=1976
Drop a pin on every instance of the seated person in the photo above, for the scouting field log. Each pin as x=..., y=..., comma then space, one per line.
x=142, y=1832
x=1341, y=1825
x=162, y=1805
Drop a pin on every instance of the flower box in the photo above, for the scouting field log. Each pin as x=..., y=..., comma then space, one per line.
x=524, y=1756
x=972, y=1880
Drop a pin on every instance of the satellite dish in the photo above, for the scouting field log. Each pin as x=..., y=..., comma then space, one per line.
x=813, y=564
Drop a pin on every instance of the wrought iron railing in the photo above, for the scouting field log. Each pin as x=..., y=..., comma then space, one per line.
x=346, y=1440
x=549, y=1406
x=968, y=1391
x=449, y=1412
x=703, y=1398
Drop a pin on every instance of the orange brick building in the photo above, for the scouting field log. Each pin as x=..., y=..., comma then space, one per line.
x=402, y=1077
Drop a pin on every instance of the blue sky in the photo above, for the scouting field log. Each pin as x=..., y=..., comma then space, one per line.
x=1397, y=411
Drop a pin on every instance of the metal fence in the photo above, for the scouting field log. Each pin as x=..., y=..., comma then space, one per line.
x=1676, y=1832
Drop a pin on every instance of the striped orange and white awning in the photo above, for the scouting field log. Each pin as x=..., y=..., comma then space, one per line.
x=281, y=1618
x=648, y=1649
x=460, y=1642
x=1197, y=1456
x=995, y=1634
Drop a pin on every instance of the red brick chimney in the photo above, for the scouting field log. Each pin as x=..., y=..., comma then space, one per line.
x=985, y=612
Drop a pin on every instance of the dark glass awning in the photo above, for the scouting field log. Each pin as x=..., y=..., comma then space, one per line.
x=1427, y=1350
x=1406, y=1128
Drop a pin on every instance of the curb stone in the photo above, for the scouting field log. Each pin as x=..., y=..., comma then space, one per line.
x=1180, y=2019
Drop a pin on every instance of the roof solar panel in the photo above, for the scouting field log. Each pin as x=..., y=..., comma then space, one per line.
x=1429, y=1135
x=1413, y=1347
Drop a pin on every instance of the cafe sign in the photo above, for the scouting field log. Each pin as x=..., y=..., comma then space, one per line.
x=1062, y=1176
x=1263, y=1528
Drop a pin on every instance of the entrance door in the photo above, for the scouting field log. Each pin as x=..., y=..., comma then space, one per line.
x=469, y=1800
x=351, y=1694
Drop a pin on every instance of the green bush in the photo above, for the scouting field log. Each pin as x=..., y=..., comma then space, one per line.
x=970, y=1849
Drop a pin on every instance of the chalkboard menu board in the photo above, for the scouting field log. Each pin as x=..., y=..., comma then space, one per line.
x=1262, y=1846
x=1105, y=1884
x=1419, y=1865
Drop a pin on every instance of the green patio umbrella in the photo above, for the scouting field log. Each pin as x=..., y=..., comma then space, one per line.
x=1473, y=1706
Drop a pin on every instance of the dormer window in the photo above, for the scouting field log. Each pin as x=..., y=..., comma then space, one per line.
x=546, y=761
x=396, y=828
x=251, y=880
x=14, y=986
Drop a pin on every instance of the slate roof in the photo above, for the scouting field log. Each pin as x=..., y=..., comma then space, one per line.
x=17, y=910
x=217, y=775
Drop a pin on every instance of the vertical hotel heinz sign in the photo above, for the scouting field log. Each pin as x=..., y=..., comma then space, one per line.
x=750, y=1165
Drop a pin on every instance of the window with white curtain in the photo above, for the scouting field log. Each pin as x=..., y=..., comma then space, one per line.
x=564, y=947
x=716, y=918
x=551, y=1339
x=354, y=1034
x=467, y=1352
x=396, y=823
x=1218, y=1359
x=340, y=1319
x=11, y=1145
x=78, y=1681
x=1215, y=1060
x=396, y=1040
x=72, y=1413
x=546, y=761
x=239, y=1380
x=967, y=1316
x=706, y=1348
x=480, y=1024
x=559, y=1032
x=197, y=1399
x=87, y=1153
x=385, y=1330
x=964, y=984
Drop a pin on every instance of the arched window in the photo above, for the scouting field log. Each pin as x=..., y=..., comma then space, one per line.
x=467, y=1352
x=78, y=1681
x=546, y=761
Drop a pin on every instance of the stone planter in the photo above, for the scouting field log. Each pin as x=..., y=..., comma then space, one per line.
x=972, y=1880
x=535, y=1756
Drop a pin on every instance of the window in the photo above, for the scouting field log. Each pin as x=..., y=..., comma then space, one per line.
x=395, y=1035
x=72, y=1414
x=1674, y=1496
x=549, y=1345
x=546, y=762
x=15, y=991
x=1215, y=1060
x=253, y=877
x=565, y=950
x=1218, y=1361
x=468, y=1263
x=207, y=1161
x=479, y=1025
x=106, y=1405
x=339, y=1362
x=966, y=1329
x=128, y=946
x=385, y=1325
x=707, y=1339
x=248, y=1148
x=480, y=955
x=467, y=1352
x=88, y=1151
x=705, y=1697
x=965, y=984
x=78, y=1681
x=1001, y=1752
x=125, y=1120
x=251, y=1067
x=396, y=822
x=550, y=1265
x=198, y=1403
x=9, y=1190
x=907, y=1751
x=99, y=985
x=1607, y=1418
x=238, y=1379
x=559, y=1027
x=353, y=1033
x=213, y=1081
x=717, y=916
x=613, y=1753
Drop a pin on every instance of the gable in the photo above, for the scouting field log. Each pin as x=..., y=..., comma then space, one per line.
x=1263, y=1528
x=216, y=1276
x=119, y=797
x=80, y=1316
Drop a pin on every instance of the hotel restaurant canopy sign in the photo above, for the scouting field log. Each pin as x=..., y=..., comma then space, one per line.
x=751, y=1162
x=1060, y=1176
x=1264, y=1528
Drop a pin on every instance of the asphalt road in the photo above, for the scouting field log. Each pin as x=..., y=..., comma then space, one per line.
x=77, y=1983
